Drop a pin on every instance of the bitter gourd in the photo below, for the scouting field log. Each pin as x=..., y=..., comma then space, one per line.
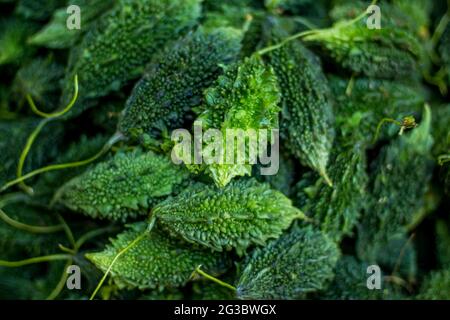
x=350, y=282
x=299, y=262
x=307, y=115
x=244, y=98
x=122, y=42
x=175, y=80
x=435, y=286
x=337, y=210
x=156, y=261
x=243, y=213
x=395, y=195
x=384, y=53
x=361, y=103
x=125, y=186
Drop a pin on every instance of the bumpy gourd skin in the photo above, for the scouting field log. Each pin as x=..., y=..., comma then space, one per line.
x=41, y=80
x=54, y=34
x=297, y=263
x=307, y=116
x=175, y=80
x=156, y=261
x=245, y=97
x=123, y=41
x=243, y=213
x=360, y=107
x=413, y=16
x=382, y=53
x=125, y=186
x=400, y=179
x=435, y=286
x=336, y=210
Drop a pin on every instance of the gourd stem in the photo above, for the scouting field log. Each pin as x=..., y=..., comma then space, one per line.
x=89, y=235
x=209, y=277
x=402, y=254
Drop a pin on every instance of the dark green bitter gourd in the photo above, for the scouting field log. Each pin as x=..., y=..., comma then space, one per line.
x=299, y=262
x=37, y=10
x=174, y=81
x=13, y=35
x=126, y=186
x=243, y=213
x=444, y=50
x=307, y=115
x=156, y=261
x=443, y=242
x=120, y=44
x=40, y=79
x=412, y=16
x=362, y=103
x=385, y=53
x=350, y=282
x=54, y=34
x=435, y=286
x=244, y=99
x=336, y=210
x=400, y=180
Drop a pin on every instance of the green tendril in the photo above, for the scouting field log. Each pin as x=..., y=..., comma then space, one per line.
x=214, y=279
x=408, y=122
x=48, y=117
x=114, y=139
x=26, y=150
x=13, y=197
x=28, y=228
x=120, y=253
x=56, y=114
x=48, y=258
